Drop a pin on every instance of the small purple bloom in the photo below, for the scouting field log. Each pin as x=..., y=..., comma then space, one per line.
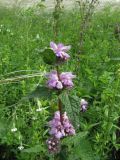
x=59, y=130
x=66, y=79
x=84, y=105
x=60, y=50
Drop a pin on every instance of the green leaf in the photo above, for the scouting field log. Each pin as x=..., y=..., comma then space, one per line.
x=114, y=138
x=49, y=56
x=41, y=92
x=82, y=151
x=72, y=107
x=35, y=149
x=80, y=147
x=73, y=140
x=115, y=59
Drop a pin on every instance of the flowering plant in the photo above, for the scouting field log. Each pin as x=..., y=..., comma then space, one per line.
x=62, y=124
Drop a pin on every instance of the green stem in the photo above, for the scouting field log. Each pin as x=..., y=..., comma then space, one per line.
x=59, y=101
x=60, y=110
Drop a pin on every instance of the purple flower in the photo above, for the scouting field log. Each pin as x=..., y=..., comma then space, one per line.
x=60, y=50
x=53, y=145
x=64, y=80
x=54, y=81
x=84, y=105
x=59, y=130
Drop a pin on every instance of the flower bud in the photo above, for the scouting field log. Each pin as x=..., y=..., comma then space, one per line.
x=83, y=105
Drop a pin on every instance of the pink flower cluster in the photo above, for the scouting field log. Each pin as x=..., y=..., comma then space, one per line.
x=63, y=80
x=60, y=50
x=59, y=130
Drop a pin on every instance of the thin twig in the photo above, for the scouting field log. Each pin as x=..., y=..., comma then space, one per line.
x=19, y=78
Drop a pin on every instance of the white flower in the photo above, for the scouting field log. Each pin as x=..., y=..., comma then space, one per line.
x=21, y=147
x=14, y=129
x=34, y=118
x=39, y=109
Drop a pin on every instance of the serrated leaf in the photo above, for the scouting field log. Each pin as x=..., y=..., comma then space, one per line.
x=80, y=147
x=35, y=149
x=41, y=92
x=74, y=139
x=72, y=107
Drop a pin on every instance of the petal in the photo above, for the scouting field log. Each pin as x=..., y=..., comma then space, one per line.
x=57, y=115
x=59, y=135
x=53, y=46
x=66, y=48
x=72, y=131
x=66, y=56
x=52, y=83
x=84, y=108
x=53, y=131
x=60, y=45
x=59, y=54
x=83, y=102
x=59, y=85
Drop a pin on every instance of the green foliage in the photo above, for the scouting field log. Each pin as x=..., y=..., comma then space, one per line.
x=35, y=149
x=23, y=34
x=3, y=128
x=41, y=92
x=81, y=148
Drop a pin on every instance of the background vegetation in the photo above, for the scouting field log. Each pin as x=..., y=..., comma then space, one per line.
x=23, y=33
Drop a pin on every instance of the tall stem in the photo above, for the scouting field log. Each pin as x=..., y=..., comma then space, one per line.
x=56, y=16
x=59, y=101
x=60, y=110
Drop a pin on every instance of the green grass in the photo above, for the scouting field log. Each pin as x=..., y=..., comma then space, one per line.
x=22, y=35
